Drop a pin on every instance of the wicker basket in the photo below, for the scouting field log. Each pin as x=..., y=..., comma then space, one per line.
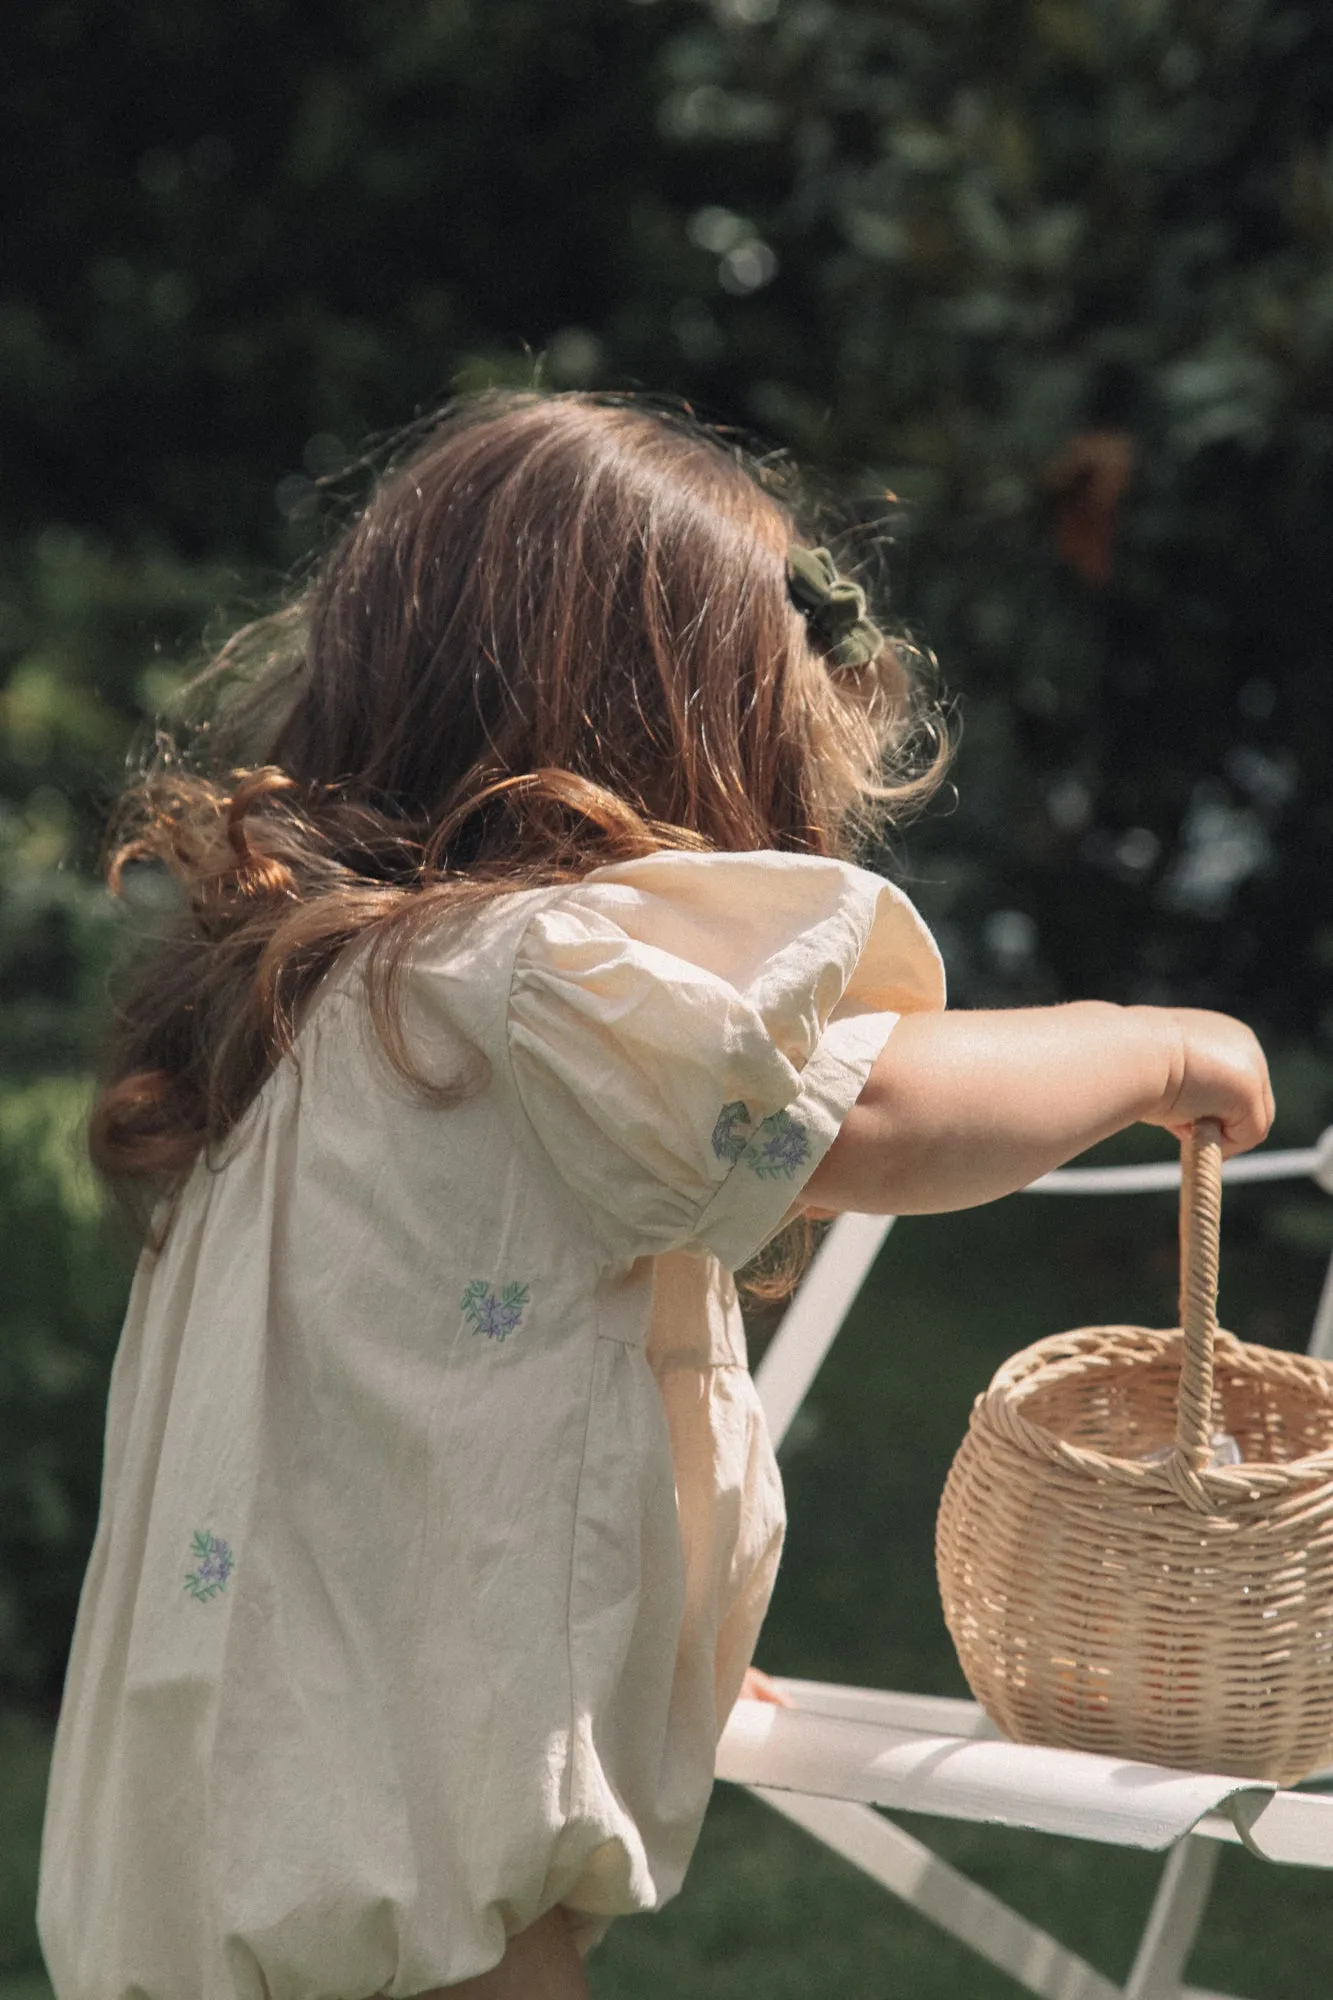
x=1109, y=1586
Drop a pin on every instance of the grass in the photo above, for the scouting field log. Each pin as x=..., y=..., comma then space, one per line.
x=766, y=1911
x=24, y=1752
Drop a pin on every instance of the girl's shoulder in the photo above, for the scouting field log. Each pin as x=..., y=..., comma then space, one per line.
x=734, y=911
x=729, y=915
x=801, y=919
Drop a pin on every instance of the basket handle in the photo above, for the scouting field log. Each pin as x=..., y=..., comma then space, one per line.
x=1200, y=1230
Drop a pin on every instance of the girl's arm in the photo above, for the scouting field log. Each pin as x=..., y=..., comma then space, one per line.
x=961, y=1108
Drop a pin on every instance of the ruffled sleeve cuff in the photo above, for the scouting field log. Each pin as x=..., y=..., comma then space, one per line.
x=777, y=1156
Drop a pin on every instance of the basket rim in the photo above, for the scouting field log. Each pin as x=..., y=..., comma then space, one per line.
x=1034, y=1367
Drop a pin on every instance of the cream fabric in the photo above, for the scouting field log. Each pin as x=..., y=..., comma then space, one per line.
x=439, y=1516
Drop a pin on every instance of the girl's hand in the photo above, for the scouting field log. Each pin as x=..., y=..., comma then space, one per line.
x=1216, y=1070
x=758, y=1687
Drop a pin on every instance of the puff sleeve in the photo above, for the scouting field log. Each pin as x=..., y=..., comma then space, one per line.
x=688, y=1031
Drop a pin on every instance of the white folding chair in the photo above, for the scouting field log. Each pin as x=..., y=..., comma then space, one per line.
x=838, y=1753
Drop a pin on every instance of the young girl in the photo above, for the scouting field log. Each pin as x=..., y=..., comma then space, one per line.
x=521, y=992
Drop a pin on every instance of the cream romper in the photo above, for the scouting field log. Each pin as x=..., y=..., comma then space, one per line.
x=438, y=1513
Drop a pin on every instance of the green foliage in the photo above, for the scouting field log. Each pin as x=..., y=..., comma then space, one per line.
x=1005, y=242
x=59, y=1313
x=24, y=1750
x=93, y=638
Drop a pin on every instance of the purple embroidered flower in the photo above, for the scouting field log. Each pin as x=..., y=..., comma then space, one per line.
x=729, y=1133
x=780, y=1146
x=214, y=1563
x=495, y=1314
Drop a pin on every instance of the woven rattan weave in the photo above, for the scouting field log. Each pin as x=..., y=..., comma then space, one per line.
x=1178, y=1611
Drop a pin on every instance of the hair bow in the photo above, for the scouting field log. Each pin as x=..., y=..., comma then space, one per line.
x=834, y=608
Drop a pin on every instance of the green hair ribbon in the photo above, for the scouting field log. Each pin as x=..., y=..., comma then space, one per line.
x=834, y=608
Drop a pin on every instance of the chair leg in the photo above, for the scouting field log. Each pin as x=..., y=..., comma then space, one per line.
x=935, y=1890
x=1173, y=1922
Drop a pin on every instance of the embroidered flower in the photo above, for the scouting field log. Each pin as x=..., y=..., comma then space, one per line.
x=214, y=1563
x=495, y=1314
x=780, y=1146
x=731, y=1131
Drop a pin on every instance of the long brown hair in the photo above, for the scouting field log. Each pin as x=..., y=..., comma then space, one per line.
x=559, y=634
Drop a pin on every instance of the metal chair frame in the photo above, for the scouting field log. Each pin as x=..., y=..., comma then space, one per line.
x=837, y=1754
